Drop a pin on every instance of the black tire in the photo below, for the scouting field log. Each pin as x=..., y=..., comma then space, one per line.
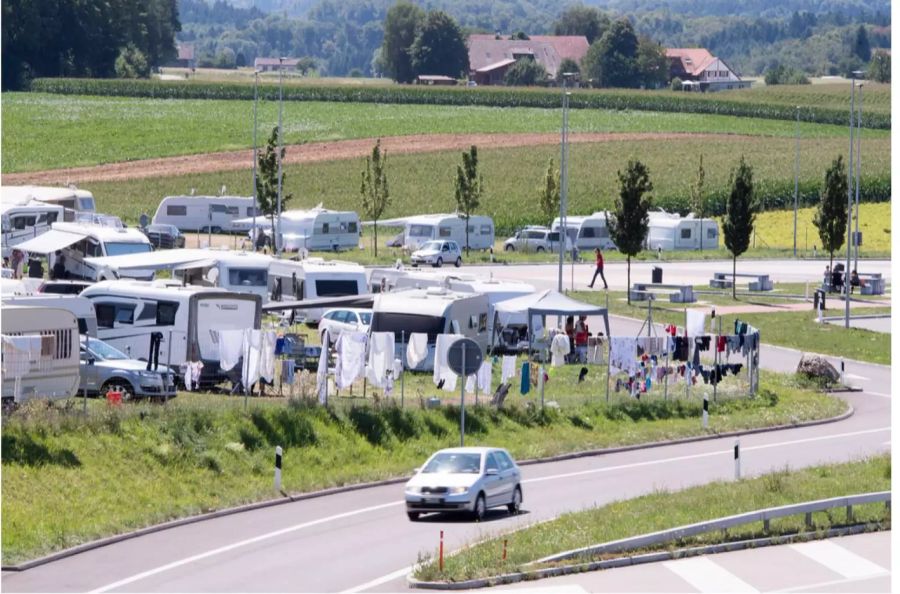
x=117, y=384
x=509, y=248
x=413, y=516
x=439, y=263
x=516, y=504
x=458, y=262
x=480, y=508
x=539, y=249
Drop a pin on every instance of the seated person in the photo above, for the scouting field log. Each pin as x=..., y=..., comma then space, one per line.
x=855, y=281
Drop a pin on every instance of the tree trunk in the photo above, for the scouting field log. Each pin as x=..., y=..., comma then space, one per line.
x=733, y=277
x=628, y=286
x=375, y=228
x=701, y=234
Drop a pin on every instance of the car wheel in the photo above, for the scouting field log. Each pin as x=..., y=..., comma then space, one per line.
x=539, y=249
x=413, y=516
x=458, y=262
x=117, y=384
x=509, y=248
x=516, y=504
x=480, y=508
x=439, y=262
x=216, y=229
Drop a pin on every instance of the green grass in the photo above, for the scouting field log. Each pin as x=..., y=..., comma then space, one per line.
x=663, y=510
x=45, y=131
x=68, y=478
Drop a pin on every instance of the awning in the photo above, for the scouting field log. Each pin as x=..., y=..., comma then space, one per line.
x=367, y=300
x=49, y=242
x=158, y=260
x=551, y=303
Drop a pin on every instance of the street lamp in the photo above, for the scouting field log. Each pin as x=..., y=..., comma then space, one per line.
x=563, y=176
x=255, y=232
x=796, y=176
x=853, y=76
x=277, y=237
x=856, y=237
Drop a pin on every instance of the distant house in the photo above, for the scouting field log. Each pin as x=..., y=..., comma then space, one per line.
x=271, y=64
x=490, y=57
x=434, y=79
x=185, y=58
x=699, y=70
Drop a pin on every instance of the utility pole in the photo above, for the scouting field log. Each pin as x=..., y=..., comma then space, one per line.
x=858, y=159
x=255, y=154
x=854, y=74
x=796, y=177
x=277, y=238
x=564, y=178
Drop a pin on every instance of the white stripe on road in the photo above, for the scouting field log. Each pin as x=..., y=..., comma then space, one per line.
x=838, y=559
x=866, y=392
x=382, y=580
x=706, y=576
x=821, y=586
x=262, y=537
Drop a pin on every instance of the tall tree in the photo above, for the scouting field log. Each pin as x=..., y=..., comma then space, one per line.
x=440, y=47
x=740, y=215
x=630, y=218
x=400, y=25
x=697, y=203
x=880, y=67
x=549, y=192
x=469, y=187
x=612, y=61
x=831, y=215
x=652, y=64
x=568, y=65
x=374, y=190
x=861, y=47
x=582, y=20
x=267, y=182
x=525, y=73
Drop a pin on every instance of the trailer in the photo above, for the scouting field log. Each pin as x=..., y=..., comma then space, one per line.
x=216, y=214
x=316, y=229
x=315, y=278
x=669, y=232
x=588, y=232
x=70, y=198
x=421, y=228
x=24, y=220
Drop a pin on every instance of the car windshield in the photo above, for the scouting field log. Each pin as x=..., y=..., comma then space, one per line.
x=102, y=351
x=120, y=249
x=366, y=317
x=434, y=246
x=453, y=463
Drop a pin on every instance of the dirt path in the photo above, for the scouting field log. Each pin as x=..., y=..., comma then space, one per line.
x=315, y=152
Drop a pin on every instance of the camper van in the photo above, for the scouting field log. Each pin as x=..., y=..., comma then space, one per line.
x=317, y=229
x=314, y=278
x=434, y=311
x=22, y=221
x=71, y=199
x=82, y=308
x=40, y=353
x=587, y=232
x=128, y=312
x=672, y=232
x=419, y=229
x=205, y=213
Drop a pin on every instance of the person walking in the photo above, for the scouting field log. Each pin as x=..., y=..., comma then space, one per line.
x=599, y=269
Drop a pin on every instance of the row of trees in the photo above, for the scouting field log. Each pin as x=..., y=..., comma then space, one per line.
x=416, y=42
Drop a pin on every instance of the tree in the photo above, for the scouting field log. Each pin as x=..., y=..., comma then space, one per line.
x=439, y=47
x=652, y=64
x=697, y=196
x=305, y=64
x=374, y=190
x=567, y=65
x=132, y=63
x=630, y=217
x=525, y=73
x=612, y=61
x=520, y=36
x=880, y=67
x=831, y=215
x=676, y=83
x=267, y=182
x=740, y=215
x=549, y=192
x=400, y=26
x=469, y=187
x=861, y=47
x=582, y=20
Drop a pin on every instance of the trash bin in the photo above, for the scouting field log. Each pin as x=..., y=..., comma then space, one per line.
x=818, y=299
x=657, y=274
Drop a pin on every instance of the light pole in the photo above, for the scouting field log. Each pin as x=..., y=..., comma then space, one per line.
x=796, y=176
x=563, y=177
x=255, y=154
x=853, y=76
x=858, y=159
x=277, y=238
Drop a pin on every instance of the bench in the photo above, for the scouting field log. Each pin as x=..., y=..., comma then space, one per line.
x=871, y=283
x=725, y=280
x=681, y=293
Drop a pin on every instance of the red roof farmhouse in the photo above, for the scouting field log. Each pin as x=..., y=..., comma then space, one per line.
x=699, y=70
x=490, y=57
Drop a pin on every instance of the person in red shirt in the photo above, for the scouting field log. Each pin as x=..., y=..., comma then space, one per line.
x=599, y=270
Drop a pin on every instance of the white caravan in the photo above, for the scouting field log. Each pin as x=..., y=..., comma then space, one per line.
x=316, y=229
x=205, y=213
x=20, y=221
x=587, y=232
x=315, y=278
x=81, y=307
x=40, y=353
x=191, y=317
x=71, y=198
x=433, y=311
x=672, y=232
x=419, y=229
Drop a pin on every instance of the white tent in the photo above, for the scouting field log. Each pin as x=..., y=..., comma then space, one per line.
x=550, y=303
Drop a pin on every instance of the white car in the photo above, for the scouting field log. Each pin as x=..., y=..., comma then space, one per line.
x=437, y=252
x=344, y=319
x=535, y=239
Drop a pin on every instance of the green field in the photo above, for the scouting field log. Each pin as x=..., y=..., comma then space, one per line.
x=44, y=131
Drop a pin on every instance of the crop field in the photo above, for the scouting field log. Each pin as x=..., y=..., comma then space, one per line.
x=512, y=177
x=776, y=229
x=876, y=96
x=45, y=131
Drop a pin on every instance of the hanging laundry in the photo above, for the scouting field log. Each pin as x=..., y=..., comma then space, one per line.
x=442, y=371
x=381, y=356
x=322, y=370
x=19, y=352
x=695, y=320
x=508, y=368
x=417, y=349
x=622, y=354
x=680, y=348
x=481, y=378
x=267, y=356
x=288, y=368
x=231, y=347
x=703, y=342
x=398, y=368
x=526, y=378
x=720, y=344
x=252, y=356
x=351, y=349
x=194, y=370
x=559, y=348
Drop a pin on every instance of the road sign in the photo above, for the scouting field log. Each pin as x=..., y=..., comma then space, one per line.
x=472, y=360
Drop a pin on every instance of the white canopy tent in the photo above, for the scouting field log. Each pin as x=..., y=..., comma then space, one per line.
x=546, y=303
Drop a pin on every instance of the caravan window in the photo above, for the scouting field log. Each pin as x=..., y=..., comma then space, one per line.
x=444, y=232
x=110, y=313
x=120, y=249
x=218, y=209
x=176, y=210
x=325, y=228
x=336, y=288
x=594, y=232
x=253, y=211
x=233, y=210
x=485, y=229
x=148, y=312
x=420, y=230
x=165, y=313
x=352, y=228
x=248, y=277
x=21, y=222
x=711, y=233
x=685, y=234
x=408, y=323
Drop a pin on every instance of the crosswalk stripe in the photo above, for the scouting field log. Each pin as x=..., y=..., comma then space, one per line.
x=838, y=559
x=706, y=576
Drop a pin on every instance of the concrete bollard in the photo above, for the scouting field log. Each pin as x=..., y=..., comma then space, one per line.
x=277, y=468
x=737, y=459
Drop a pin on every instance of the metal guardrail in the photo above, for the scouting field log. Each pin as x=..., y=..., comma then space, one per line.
x=764, y=515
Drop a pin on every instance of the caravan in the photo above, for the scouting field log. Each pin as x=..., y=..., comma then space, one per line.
x=317, y=229
x=419, y=229
x=81, y=308
x=315, y=278
x=71, y=199
x=672, y=232
x=216, y=214
x=188, y=318
x=588, y=232
x=25, y=220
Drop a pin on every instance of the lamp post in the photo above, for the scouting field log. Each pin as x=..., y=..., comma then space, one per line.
x=277, y=237
x=858, y=159
x=255, y=154
x=796, y=176
x=853, y=76
x=563, y=177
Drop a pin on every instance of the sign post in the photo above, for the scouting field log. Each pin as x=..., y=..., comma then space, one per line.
x=464, y=357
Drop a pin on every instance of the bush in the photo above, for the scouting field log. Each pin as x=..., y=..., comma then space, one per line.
x=132, y=63
x=675, y=85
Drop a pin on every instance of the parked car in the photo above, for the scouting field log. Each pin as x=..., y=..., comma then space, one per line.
x=63, y=287
x=535, y=239
x=341, y=320
x=105, y=368
x=436, y=252
x=465, y=480
x=163, y=236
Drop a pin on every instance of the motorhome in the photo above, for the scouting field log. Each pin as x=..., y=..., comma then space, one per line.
x=419, y=229
x=81, y=307
x=314, y=278
x=40, y=353
x=316, y=229
x=71, y=198
x=671, y=232
x=189, y=319
x=432, y=311
x=587, y=232
x=20, y=221
x=218, y=214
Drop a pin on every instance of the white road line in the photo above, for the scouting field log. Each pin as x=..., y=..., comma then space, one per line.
x=821, y=586
x=706, y=576
x=876, y=394
x=554, y=589
x=854, y=376
x=324, y=520
x=377, y=582
x=838, y=559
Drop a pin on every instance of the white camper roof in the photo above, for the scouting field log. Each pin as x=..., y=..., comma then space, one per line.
x=295, y=216
x=432, y=301
x=423, y=219
x=150, y=289
x=581, y=219
x=225, y=199
x=181, y=258
x=24, y=194
x=5, y=206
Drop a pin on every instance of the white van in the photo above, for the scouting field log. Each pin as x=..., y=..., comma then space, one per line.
x=50, y=366
x=129, y=311
x=316, y=229
x=315, y=278
x=205, y=213
x=22, y=221
x=434, y=311
x=71, y=198
x=82, y=308
x=671, y=232
x=587, y=232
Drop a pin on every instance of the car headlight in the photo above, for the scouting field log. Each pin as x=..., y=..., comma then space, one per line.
x=457, y=490
x=148, y=374
x=413, y=489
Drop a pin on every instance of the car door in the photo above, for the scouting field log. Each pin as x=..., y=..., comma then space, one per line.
x=493, y=483
x=88, y=373
x=509, y=474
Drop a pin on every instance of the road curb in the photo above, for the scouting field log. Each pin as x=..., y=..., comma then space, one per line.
x=511, y=578
x=96, y=544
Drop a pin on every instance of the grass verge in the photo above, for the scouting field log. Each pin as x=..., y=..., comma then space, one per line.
x=662, y=510
x=69, y=478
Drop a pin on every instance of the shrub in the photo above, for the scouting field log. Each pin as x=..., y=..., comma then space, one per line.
x=675, y=85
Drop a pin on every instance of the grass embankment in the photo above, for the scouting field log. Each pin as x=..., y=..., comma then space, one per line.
x=69, y=478
x=664, y=510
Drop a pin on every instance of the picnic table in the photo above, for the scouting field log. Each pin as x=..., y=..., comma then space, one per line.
x=725, y=280
x=677, y=293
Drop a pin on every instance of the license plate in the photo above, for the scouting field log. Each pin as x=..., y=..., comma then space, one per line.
x=433, y=500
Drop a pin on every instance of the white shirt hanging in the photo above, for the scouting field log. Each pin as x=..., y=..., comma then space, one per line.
x=381, y=356
x=231, y=346
x=351, y=348
x=442, y=369
x=417, y=349
x=508, y=369
x=559, y=348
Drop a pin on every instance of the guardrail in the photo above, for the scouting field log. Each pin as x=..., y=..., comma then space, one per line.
x=764, y=515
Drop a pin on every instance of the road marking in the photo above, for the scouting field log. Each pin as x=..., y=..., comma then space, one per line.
x=838, y=559
x=382, y=580
x=706, y=576
x=866, y=392
x=854, y=376
x=554, y=589
x=236, y=545
x=821, y=586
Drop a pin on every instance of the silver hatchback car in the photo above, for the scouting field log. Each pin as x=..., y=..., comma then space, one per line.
x=465, y=480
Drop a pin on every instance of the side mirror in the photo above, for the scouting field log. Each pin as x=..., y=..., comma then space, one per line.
x=491, y=472
x=91, y=361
